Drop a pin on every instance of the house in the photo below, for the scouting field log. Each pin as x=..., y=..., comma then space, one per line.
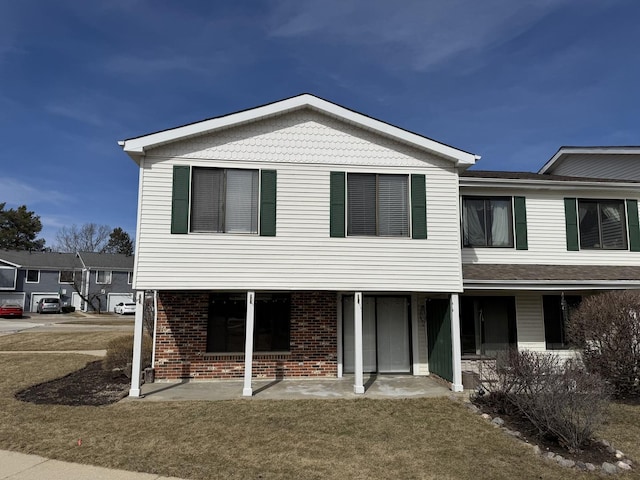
x=303, y=239
x=107, y=277
x=29, y=276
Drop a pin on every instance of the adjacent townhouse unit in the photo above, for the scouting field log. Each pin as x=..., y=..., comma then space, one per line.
x=303, y=239
x=27, y=277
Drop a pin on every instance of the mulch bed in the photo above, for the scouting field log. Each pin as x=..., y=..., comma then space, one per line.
x=90, y=385
x=594, y=452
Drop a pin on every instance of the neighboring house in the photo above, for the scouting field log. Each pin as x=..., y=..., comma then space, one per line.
x=107, y=277
x=303, y=239
x=29, y=276
x=533, y=245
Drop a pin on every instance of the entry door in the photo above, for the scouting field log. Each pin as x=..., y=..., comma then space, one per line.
x=385, y=335
x=393, y=335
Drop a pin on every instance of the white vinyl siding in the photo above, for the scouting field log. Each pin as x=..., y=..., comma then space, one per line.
x=530, y=322
x=546, y=231
x=304, y=147
x=622, y=167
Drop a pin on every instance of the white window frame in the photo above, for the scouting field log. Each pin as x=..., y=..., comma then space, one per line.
x=26, y=276
x=107, y=279
x=15, y=275
x=73, y=277
x=223, y=221
x=378, y=218
x=129, y=278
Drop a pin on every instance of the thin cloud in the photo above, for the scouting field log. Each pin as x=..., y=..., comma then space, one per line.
x=155, y=65
x=422, y=34
x=16, y=192
x=80, y=113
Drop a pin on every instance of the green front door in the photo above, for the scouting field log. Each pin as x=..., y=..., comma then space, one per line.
x=439, y=338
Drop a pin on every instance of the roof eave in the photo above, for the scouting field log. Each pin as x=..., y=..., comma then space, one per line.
x=544, y=184
x=136, y=147
x=563, y=152
x=550, y=284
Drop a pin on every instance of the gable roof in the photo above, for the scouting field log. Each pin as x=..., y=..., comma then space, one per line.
x=110, y=261
x=40, y=260
x=136, y=147
x=565, y=151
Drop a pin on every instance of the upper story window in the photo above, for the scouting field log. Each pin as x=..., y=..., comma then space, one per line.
x=8, y=278
x=602, y=224
x=377, y=205
x=103, y=276
x=487, y=222
x=224, y=200
x=33, y=276
x=66, y=276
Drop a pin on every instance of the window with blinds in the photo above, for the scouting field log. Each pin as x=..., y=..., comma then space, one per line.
x=377, y=205
x=224, y=200
x=602, y=224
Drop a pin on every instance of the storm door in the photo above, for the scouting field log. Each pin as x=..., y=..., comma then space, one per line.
x=386, y=345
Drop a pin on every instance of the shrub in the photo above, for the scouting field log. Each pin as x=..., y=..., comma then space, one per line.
x=606, y=327
x=120, y=354
x=558, y=397
x=68, y=309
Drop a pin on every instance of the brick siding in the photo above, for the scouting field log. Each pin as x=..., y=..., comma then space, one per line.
x=181, y=340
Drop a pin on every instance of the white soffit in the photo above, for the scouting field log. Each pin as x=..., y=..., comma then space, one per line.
x=136, y=147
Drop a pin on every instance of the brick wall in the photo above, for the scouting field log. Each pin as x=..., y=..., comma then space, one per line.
x=181, y=340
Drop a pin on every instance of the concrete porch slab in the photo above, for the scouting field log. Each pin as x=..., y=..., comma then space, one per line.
x=377, y=386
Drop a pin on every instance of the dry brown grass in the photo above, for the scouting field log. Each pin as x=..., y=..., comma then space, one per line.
x=245, y=439
x=34, y=341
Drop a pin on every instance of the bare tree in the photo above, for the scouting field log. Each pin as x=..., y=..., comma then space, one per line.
x=95, y=296
x=86, y=238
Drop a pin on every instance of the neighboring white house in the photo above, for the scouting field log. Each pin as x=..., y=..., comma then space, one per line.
x=301, y=238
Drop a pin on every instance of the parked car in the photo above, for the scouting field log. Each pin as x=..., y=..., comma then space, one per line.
x=124, y=308
x=11, y=309
x=49, y=305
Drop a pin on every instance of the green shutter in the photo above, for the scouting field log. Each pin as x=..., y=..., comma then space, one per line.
x=268, y=187
x=418, y=207
x=520, y=210
x=634, y=225
x=180, y=199
x=571, y=218
x=336, y=204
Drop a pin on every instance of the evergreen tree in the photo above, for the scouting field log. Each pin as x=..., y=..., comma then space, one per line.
x=19, y=229
x=119, y=242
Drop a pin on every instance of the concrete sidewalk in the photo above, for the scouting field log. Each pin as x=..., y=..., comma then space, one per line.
x=19, y=466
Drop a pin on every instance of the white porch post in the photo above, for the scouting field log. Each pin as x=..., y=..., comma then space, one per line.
x=136, y=366
x=358, y=386
x=247, y=391
x=456, y=350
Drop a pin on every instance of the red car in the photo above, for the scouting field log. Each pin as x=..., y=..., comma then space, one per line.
x=11, y=309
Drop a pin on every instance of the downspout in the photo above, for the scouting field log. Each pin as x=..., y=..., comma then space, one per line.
x=155, y=327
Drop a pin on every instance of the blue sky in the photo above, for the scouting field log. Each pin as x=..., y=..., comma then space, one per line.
x=508, y=80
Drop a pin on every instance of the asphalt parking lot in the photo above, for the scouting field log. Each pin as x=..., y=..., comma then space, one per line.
x=77, y=321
